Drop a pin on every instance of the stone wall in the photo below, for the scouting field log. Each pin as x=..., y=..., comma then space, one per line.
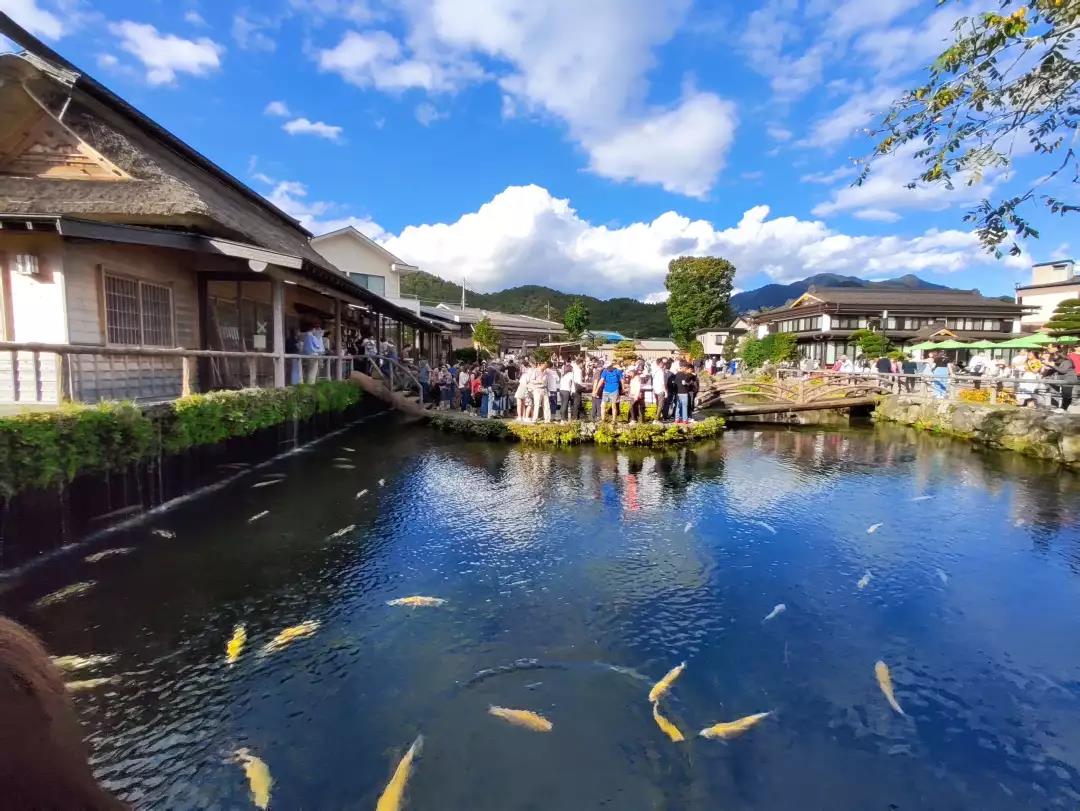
x=1039, y=433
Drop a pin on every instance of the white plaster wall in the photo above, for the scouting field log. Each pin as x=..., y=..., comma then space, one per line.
x=350, y=255
x=1047, y=301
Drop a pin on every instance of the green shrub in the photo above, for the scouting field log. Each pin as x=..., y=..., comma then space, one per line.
x=576, y=433
x=49, y=448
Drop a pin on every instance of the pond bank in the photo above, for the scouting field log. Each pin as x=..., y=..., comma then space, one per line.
x=1042, y=434
x=575, y=433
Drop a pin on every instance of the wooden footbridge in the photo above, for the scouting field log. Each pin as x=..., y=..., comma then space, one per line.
x=734, y=397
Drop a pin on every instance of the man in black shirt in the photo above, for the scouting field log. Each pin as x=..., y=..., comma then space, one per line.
x=684, y=382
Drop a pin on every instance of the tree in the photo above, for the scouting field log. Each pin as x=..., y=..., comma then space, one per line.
x=696, y=350
x=1005, y=79
x=777, y=347
x=1066, y=318
x=871, y=344
x=624, y=351
x=700, y=290
x=485, y=336
x=730, y=349
x=576, y=318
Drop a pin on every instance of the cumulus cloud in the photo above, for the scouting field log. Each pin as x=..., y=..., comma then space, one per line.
x=252, y=32
x=193, y=17
x=166, y=55
x=35, y=19
x=318, y=216
x=853, y=115
x=547, y=59
x=278, y=109
x=526, y=235
x=304, y=126
x=427, y=114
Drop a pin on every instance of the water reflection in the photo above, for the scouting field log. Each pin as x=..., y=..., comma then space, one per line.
x=583, y=561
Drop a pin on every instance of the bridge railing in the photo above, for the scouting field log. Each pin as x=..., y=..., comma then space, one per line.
x=1008, y=390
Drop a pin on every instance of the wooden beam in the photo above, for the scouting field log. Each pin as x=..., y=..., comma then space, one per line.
x=277, y=287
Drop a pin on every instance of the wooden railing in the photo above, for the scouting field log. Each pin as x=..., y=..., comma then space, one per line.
x=45, y=373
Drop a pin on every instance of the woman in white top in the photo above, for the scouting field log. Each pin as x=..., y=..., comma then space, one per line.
x=566, y=392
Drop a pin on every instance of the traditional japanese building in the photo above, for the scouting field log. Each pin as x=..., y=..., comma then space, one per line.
x=517, y=333
x=120, y=245
x=824, y=319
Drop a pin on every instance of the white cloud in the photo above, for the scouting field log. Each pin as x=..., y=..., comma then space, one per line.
x=548, y=60
x=107, y=61
x=303, y=126
x=525, y=235
x=659, y=297
x=755, y=175
x=899, y=49
x=427, y=114
x=166, y=55
x=780, y=134
x=828, y=178
x=357, y=11
x=278, y=109
x=885, y=190
x=682, y=149
x=856, y=112
x=195, y=18
x=250, y=32
x=31, y=16
x=317, y=216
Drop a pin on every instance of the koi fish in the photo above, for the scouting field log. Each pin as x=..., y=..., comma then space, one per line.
x=75, y=663
x=864, y=581
x=97, y=557
x=287, y=635
x=350, y=450
x=361, y=494
x=665, y=725
x=418, y=602
x=163, y=533
x=74, y=590
x=257, y=485
x=944, y=578
x=87, y=684
x=344, y=459
x=394, y=793
x=344, y=466
x=665, y=683
x=884, y=680
x=341, y=532
x=522, y=718
x=874, y=528
x=258, y=776
x=733, y=729
x=382, y=482
x=922, y=498
x=776, y=612
x=769, y=527
x=236, y=644
x=689, y=526
x=257, y=516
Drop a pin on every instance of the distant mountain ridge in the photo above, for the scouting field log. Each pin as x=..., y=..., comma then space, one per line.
x=629, y=316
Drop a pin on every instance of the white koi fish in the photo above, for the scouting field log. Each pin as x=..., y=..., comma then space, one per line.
x=109, y=553
x=944, y=578
x=776, y=612
x=76, y=663
x=689, y=526
x=341, y=532
x=257, y=485
x=418, y=602
x=769, y=527
x=382, y=482
x=874, y=528
x=922, y=498
x=88, y=684
x=864, y=581
x=344, y=467
x=74, y=590
x=350, y=450
x=361, y=494
x=163, y=533
x=257, y=516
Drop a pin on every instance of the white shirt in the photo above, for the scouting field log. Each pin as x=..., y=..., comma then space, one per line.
x=575, y=371
x=566, y=382
x=462, y=379
x=551, y=380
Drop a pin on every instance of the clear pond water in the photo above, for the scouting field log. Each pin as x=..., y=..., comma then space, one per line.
x=601, y=570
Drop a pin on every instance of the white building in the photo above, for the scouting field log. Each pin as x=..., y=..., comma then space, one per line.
x=1051, y=284
x=713, y=340
x=367, y=263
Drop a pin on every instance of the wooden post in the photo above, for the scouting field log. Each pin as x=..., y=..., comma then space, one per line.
x=278, y=291
x=338, y=348
x=187, y=372
x=253, y=376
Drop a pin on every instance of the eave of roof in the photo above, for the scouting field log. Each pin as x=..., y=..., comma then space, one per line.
x=368, y=242
x=1073, y=282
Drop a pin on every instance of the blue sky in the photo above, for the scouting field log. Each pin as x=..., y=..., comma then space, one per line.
x=580, y=145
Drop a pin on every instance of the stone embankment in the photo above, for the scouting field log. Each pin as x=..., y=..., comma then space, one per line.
x=1033, y=432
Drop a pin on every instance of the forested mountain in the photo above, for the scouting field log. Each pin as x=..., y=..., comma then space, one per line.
x=629, y=316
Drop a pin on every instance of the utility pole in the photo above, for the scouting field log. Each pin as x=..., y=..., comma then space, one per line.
x=463, y=292
x=547, y=307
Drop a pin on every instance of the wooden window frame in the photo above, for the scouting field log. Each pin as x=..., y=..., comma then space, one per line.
x=105, y=273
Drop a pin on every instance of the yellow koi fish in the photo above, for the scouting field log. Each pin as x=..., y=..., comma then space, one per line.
x=418, y=602
x=665, y=683
x=258, y=775
x=864, y=581
x=74, y=590
x=108, y=553
x=522, y=718
x=236, y=644
x=665, y=725
x=394, y=793
x=88, y=684
x=884, y=680
x=74, y=663
x=733, y=729
x=286, y=636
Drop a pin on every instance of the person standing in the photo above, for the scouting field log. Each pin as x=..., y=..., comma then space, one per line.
x=541, y=404
x=578, y=373
x=521, y=395
x=637, y=397
x=551, y=383
x=313, y=345
x=611, y=379
x=660, y=384
x=566, y=392
x=684, y=384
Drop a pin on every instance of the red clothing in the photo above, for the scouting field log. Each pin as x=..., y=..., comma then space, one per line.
x=1075, y=358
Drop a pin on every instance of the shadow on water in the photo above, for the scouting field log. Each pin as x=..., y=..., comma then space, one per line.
x=607, y=568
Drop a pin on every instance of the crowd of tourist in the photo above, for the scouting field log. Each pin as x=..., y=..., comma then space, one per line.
x=558, y=390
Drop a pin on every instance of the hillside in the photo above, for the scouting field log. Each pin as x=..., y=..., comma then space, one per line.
x=628, y=316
